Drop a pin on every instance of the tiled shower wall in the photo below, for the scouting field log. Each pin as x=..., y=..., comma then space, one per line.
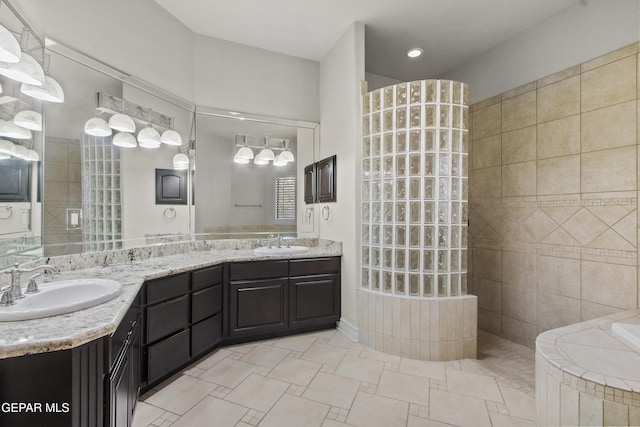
x=553, y=199
x=62, y=190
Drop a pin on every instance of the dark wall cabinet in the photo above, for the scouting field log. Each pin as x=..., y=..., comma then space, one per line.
x=320, y=181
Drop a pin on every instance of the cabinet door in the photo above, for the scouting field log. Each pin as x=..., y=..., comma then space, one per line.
x=257, y=307
x=314, y=300
x=327, y=180
x=206, y=334
x=166, y=318
x=167, y=355
x=310, y=184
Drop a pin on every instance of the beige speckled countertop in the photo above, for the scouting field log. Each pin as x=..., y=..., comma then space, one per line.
x=131, y=268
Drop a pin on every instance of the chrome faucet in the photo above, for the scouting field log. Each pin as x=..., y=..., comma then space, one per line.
x=16, y=274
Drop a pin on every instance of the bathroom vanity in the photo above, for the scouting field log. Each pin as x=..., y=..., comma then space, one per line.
x=174, y=310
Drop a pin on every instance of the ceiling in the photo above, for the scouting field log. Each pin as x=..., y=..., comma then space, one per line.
x=451, y=32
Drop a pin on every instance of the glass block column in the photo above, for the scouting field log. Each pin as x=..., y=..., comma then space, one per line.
x=101, y=194
x=414, y=189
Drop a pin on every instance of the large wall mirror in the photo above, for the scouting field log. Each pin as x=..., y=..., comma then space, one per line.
x=97, y=196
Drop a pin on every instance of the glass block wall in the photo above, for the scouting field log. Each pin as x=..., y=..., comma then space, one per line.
x=415, y=189
x=101, y=194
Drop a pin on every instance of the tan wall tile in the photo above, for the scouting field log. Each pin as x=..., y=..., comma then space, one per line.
x=487, y=152
x=519, y=112
x=592, y=310
x=558, y=137
x=558, y=175
x=519, y=303
x=487, y=264
x=490, y=321
x=487, y=121
x=559, y=276
x=610, y=57
x=609, y=84
x=519, y=145
x=610, y=284
x=519, y=91
x=519, y=332
x=609, y=170
x=519, y=179
x=486, y=183
x=561, y=75
x=519, y=268
x=559, y=100
x=555, y=311
x=609, y=127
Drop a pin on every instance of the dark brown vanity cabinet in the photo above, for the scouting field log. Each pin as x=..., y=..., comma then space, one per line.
x=270, y=298
x=310, y=183
x=257, y=297
x=166, y=321
x=326, y=180
x=314, y=292
x=206, y=309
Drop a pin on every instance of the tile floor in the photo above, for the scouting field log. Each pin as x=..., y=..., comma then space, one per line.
x=325, y=379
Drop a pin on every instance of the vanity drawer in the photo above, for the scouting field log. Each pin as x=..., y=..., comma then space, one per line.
x=206, y=277
x=258, y=270
x=164, y=289
x=206, y=334
x=206, y=303
x=167, y=355
x=166, y=318
x=313, y=266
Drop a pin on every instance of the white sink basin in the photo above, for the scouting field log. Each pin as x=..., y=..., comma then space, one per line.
x=61, y=297
x=267, y=251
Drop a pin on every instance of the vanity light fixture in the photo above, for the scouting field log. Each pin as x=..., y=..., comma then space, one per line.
x=124, y=140
x=286, y=155
x=279, y=161
x=8, y=129
x=97, y=127
x=50, y=91
x=240, y=160
x=4, y=156
x=171, y=137
x=9, y=46
x=149, y=138
x=266, y=153
x=244, y=153
x=21, y=152
x=29, y=119
x=32, y=156
x=28, y=70
x=414, y=52
x=122, y=123
x=180, y=161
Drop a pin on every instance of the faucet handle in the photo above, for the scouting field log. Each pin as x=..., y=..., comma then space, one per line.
x=6, y=297
x=32, y=287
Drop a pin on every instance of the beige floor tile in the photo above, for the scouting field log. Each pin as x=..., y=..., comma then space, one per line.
x=265, y=355
x=334, y=423
x=326, y=354
x=408, y=388
x=332, y=390
x=341, y=340
x=228, y=373
x=181, y=394
x=258, y=392
x=211, y=411
x=326, y=334
x=296, y=342
x=360, y=369
x=145, y=414
x=423, y=368
x=369, y=353
x=370, y=410
x=502, y=420
x=474, y=385
x=520, y=404
x=295, y=371
x=213, y=358
x=457, y=409
x=295, y=411
x=424, y=422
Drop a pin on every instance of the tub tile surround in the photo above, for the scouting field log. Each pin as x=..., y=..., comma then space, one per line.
x=315, y=384
x=553, y=199
x=130, y=267
x=588, y=375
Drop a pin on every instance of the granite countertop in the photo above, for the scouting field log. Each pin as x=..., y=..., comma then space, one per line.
x=77, y=328
x=592, y=351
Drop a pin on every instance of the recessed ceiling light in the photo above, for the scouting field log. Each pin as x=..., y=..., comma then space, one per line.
x=414, y=52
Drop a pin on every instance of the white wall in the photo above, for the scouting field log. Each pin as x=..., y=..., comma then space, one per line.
x=581, y=32
x=243, y=78
x=341, y=73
